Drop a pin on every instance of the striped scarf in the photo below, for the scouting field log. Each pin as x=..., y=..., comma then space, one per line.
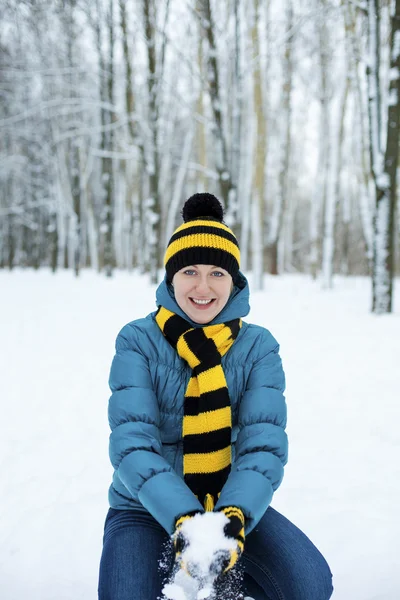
x=207, y=416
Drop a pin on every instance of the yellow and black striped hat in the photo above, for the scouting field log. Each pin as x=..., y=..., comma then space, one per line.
x=203, y=239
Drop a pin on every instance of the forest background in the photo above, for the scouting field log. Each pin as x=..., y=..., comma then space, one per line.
x=112, y=112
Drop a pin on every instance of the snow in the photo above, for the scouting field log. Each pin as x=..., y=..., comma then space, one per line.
x=396, y=46
x=205, y=541
x=342, y=482
x=393, y=99
x=394, y=74
x=184, y=587
x=383, y=180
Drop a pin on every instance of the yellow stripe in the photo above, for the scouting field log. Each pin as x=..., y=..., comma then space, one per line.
x=233, y=561
x=208, y=503
x=182, y=520
x=224, y=347
x=209, y=462
x=193, y=388
x=162, y=317
x=211, y=330
x=207, y=240
x=234, y=512
x=208, y=421
x=222, y=338
x=185, y=352
x=212, y=379
x=221, y=334
x=202, y=223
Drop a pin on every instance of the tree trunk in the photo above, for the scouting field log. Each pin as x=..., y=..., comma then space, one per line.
x=200, y=138
x=227, y=187
x=319, y=195
x=108, y=166
x=106, y=95
x=353, y=50
x=129, y=96
x=384, y=170
x=282, y=200
x=232, y=217
x=152, y=211
x=259, y=154
x=332, y=197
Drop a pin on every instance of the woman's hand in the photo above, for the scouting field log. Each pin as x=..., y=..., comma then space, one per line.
x=234, y=529
x=209, y=544
x=179, y=537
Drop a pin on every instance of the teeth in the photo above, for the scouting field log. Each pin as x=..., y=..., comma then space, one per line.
x=201, y=301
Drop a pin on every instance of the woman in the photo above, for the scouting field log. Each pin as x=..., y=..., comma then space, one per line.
x=197, y=415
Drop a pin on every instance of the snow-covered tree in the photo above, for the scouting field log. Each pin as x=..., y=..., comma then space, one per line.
x=112, y=112
x=384, y=152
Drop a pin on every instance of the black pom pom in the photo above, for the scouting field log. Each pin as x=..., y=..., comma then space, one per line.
x=202, y=205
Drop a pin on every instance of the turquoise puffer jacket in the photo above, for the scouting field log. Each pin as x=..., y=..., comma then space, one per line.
x=148, y=381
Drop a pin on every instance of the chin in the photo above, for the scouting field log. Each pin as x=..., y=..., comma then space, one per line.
x=198, y=318
x=203, y=321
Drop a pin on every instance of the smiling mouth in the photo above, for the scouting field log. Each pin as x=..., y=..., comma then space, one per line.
x=202, y=303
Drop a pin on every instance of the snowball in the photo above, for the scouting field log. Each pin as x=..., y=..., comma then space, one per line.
x=182, y=587
x=206, y=539
x=205, y=593
x=205, y=534
x=174, y=592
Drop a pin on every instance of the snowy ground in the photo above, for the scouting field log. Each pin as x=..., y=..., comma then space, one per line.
x=342, y=483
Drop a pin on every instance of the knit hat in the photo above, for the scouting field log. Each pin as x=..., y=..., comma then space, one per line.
x=203, y=239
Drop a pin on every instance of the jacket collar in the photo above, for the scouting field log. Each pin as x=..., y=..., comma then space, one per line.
x=236, y=307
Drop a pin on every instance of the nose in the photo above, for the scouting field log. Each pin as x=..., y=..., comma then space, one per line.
x=202, y=285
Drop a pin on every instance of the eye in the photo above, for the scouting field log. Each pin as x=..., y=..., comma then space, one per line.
x=189, y=272
x=218, y=274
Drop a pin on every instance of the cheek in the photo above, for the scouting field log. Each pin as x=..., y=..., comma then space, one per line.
x=178, y=294
x=181, y=292
x=225, y=294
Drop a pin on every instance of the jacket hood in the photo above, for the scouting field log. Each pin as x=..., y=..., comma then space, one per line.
x=236, y=307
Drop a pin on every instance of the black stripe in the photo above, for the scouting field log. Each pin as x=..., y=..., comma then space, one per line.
x=204, y=229
x=234, y=527
x=209, y=362
x=206, y=402
x=200, y=344
x=201, y=255
x=174, y=327
x=207, y=442
x=207, y=483
x=234, y=326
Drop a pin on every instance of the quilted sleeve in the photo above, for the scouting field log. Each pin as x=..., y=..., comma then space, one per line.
x=135, y=444
x=261, y=446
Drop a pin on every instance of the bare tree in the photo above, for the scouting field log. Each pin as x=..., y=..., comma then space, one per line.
x=155, y=68
x=103, y=23
x=222, y=159
x=319, y=194
x=111, y=113
x=337, y=113
x=282, y=200
x=384, y=158
x=259, y=153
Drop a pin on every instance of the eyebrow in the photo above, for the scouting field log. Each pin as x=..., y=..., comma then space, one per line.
x=212, y=266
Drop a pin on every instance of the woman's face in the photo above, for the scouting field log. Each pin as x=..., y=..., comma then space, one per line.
x=202, y=291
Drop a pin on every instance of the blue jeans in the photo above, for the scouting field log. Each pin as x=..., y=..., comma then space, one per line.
x=279, y=561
